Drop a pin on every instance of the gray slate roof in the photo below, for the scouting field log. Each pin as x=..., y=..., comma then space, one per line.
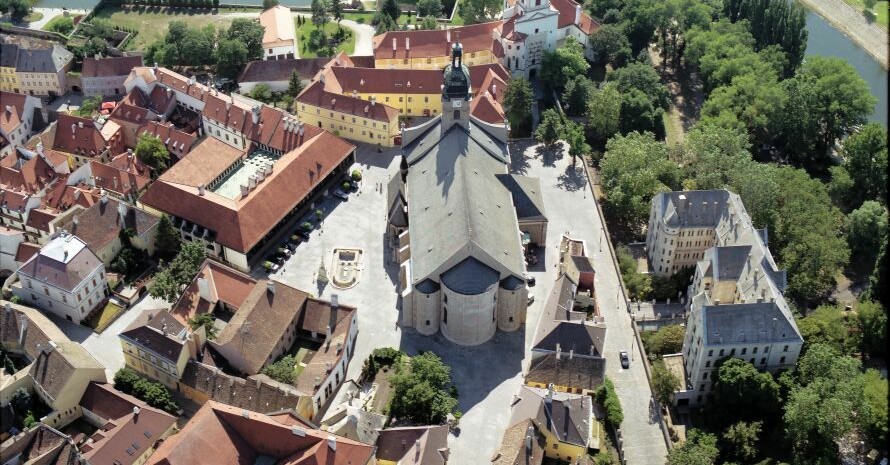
x=526, y=194
x=456, y=206
x=747, y=323
x=567, y=416
x=43, y=60
x=8, y=55
x=470, y=277
x=566, y=327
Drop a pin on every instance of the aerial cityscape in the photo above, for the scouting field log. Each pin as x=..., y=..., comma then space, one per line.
x=443, y=232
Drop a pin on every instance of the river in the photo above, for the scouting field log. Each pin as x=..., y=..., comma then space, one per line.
x=828, y=41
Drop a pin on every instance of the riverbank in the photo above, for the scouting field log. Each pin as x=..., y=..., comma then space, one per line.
x=848, y=20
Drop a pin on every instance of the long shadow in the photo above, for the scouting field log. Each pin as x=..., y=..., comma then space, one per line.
x=389, y=265
x=367, y=156
x=550, y=155
x=476, y=370
x=573, y=179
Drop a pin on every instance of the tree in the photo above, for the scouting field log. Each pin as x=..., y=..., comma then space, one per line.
x=604, y=112
x=294, y=84
x=610, y=45
x=865, y=233
x=664, y=384
x=125, y=379
x=21, y=401
x=518, y=103
x=828, y=325
x=63, y=25
x=337, y=11
x=638, y=285
x=250, y=34
x=877, y=282
x=865, y=155
x=231, y=56
x=574, y=136
x=741, y=392
x=167, y=239
x=741, y=439
x=875, y=393
x=754, y=100
x=16, y=9
x=576, y=95
x=428, y=23
x=564, y=63
x=390, y=8
x=270, y=4
x=479, y=11
x=168, y=283
x=429, y=8
x=638, y=114
x=206, y=321
x=89, y=106
x=383, y=22
x=196, y=47
x=550, y=128
x=262, y=92
x=422, y=392
x=771, y=23
x=700, y=448
x=667, y=340
x=283, y=370
x=605, y=395
x=635, y=168
x=872, y=324
x=151, y=151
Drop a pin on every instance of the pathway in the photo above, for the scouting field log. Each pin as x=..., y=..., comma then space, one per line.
x=850, y=21
x=364, y=33
x=49, y=14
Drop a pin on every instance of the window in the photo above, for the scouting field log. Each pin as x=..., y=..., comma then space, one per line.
x=707, y=364
x=763, y=360
x=427, y=322
x=445, y=315
x=766, y=349
x=721, y=352
x=701, y=388
x=754, y=351
x=782, y=360
x=752, y=360
x=785, y=349
x=744, y=350
x=705, y=376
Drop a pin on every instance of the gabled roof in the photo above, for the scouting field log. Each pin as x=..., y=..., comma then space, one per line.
x=278, y=25
x=42, y=445
x=563, y=326
x=43, y=60
x=177, y=142
x=123, y=182
x=281, y=70
x=574, y=371
x=109, y=66
x=567, y=12
x=514, y=448
x=747, y=323
x=434, y=43
x=12, y=109
x=316, y=95
x=160, y=332
x=102, y=223
x=222, y=434
x=64, y=262
x=78, y=135
x=54, y=369
x=526, y=194
x=224, y=284
x=566, y=416
x=414, y=445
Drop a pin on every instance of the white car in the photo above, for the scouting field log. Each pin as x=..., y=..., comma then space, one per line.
x=340, y=194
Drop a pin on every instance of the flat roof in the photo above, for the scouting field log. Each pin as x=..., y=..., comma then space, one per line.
x=252, y=166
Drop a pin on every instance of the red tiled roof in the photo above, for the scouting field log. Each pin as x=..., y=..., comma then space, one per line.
x=224, y=283
x=128, y=162
x=62, y=196
x=426, y=44
x=72, y=138
x=118, y=181
x=25, y=251
x=241, y=223
x=13, y=200
x=126, y=113
x=486, y=108
x=32, y=176
x=380, y=80
x=566, y=9
x=110, y=66
x=40, y=219
x=178, y=143
x=316, y=95
x=225, y=112
x=11, y=118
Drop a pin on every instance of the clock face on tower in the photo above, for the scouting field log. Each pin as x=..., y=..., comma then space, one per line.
x=455, y=103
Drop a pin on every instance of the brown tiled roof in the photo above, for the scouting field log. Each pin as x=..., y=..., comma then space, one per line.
x=63, y=196
x=316, y=316
x=161, y=98
x=128, y=433
x=30, y=175
x=25, y=251
x=11, y=117
x=281, y=70
x=228, y=435
x=110, y=66
x=177, y=142
x=126, y=113
x=86, y=140
x=509, y=32
x=315, y=95
x=241, y=223
x=256, y=393
x=577, y=371
x=381, y=80
x=486, y=108
x=42, y=445
x=231, y=115
x=39, y=219
x=53, y=370
x=414, y=445
x=13, y=200
x=102, y=223
x=433, y=43
x=128, y=162
x=514, y=449
x=179, y=83
x=115, y=180
x=566, y=10
x=567, y=416
x=227, y=285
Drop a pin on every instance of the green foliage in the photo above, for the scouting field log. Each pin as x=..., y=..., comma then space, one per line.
x=428, y=23
x=89, y=106
x=168, y=283
x=741, y=392
x=270, y=4
x=866, y=232
x=518, y=104
x=635, y=168
x=667, y=340
x=250, y=34
x=639, y=285
x=604, y=112
x=294, y=84
x=62, y=24
x=381, y=357
x=642, y=77
x=576, y=95
x=670, y=287
x=754, y=100
x=877, y=282
x=610, y=45
x=16, y=9
x=829, y=324
x=29, y=420
x=740, y=440
x=772, y=23
x=875, y=393
x=128, y=261
x=283, y=370
x=550, y=128
x=607, y=397
x=167, y=239
x=865, y=155
x=479, y=11
x=383, y=22
x=429, y=8
x=700, y=448
x=231, y=56
x=153, y=393
x=21, y=401
x=262, y=92
x=563, y=64
x=422, y=393
x=390, y=8
x=664, y=383
x=206, y=321
x=872, y=324
x=336, y=10
x=151, y=151
x=574, y=136
x=356, y=175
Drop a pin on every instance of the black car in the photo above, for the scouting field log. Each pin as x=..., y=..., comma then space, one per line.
x=625, y=361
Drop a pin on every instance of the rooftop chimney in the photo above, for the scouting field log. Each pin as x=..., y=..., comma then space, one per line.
x=270, y=286
x=332, y=442
x=394, y=46
x=558, y=351
x=407, y=44
x=549, y=397
x=135, y=410
x=204, y=290
x=201, y=189
x=447, y=34
x=577, y=14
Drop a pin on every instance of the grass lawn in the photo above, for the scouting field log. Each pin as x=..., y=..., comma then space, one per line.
x=151, y=22
x=57, y=20
x=881, y=9
x=365, y=18
x=33, y=16
x=101, y=319
x=306, y=29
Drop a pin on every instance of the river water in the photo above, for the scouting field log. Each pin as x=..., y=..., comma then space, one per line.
x=828, y=41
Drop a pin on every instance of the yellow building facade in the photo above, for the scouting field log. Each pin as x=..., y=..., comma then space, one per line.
x=150, y=364
x=9, y=80
x=348, y=117
x=481, y=57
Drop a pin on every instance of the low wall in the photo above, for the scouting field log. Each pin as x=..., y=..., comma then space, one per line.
x=46, y=35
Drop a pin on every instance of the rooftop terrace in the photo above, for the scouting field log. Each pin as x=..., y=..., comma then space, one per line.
x=245, y=174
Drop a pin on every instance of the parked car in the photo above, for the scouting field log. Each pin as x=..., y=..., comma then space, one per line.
x=625, y=361
x=531, y=300
x=529, y=279
x=340, y=194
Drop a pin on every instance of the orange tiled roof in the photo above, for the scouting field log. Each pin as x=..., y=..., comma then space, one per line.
x=566, y=9
x=434, y=43
x=316, y=95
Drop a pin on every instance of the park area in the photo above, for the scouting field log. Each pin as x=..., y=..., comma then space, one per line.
x=151, y=22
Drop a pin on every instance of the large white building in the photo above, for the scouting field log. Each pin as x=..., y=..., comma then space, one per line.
x=280, y=37
x=65, y=278
x=736, y=306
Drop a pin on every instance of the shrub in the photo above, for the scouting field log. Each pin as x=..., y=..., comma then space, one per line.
x=153, y=393
x=282, y=370
x=357, y=175
x=306, y=226
x=607, y=397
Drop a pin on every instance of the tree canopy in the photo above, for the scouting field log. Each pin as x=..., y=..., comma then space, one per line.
x=151, y=151
x=422, y=392
x=169, y=282
x=518, y=104
x=563, y=64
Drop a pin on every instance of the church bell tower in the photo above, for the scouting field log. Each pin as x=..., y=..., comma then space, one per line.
x=456, y=92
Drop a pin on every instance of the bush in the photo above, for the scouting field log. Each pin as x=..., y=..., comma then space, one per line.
x=153, y=393
x=306, y=226
x=639, y=286
x=421, y=392
x=282, y=370
x=357, y=175
x=380, y=358
x=607, y=397
x=667, y=340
